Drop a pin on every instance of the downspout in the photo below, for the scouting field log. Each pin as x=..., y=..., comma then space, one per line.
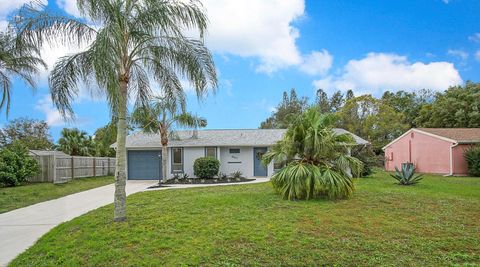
x=410, y=151
x=451, y=158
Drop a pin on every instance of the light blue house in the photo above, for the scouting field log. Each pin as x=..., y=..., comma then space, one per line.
x=237, y=150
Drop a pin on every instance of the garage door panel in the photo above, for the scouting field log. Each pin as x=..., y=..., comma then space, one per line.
x=144, y=165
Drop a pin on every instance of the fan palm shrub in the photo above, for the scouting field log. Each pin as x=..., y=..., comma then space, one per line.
x=317, y=159
x=130, y=46
x=75, y=142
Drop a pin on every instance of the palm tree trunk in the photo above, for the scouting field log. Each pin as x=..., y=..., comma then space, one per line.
x=120, y=168
x=164, y=162
x=164, y=142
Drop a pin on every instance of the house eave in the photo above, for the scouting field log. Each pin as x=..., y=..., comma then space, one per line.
x=422, y=132
x=203, y=145
x=468, y=142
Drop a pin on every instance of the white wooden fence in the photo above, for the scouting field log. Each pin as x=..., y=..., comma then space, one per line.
x=61, y=169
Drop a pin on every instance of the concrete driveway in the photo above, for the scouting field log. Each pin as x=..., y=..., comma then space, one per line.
x=20, y=228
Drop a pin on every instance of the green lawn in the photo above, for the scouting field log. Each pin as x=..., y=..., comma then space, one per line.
x=16, y=197
x=435, y=223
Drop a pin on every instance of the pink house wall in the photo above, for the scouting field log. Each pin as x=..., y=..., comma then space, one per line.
x=428, y=153
x=459, y=162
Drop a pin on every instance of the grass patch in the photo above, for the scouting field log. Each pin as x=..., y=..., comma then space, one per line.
x=435, y=223
x=21, y=196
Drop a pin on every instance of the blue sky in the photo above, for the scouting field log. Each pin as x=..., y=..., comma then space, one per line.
x=262, y=48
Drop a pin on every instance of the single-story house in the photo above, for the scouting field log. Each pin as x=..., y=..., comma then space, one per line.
x=432, y=150
x=237, y=150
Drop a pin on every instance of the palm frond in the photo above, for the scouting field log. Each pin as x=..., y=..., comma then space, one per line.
x=17, y=59
x=35, y=24
x=65, y=78
x=180, y=56
x=171, y=17
x=190, y=120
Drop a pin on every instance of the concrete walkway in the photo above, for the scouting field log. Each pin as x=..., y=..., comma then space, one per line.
x=20, y=228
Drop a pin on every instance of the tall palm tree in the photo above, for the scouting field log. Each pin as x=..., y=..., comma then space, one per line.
x=133, y=43
x=317, y=159
x=75, y=142
x=163, y=115
x=17, y=59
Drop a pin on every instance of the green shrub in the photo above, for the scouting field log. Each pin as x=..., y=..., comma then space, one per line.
x=407, y=175
x=206, y=167
x=472, y=156
x=237, y=175
x=16, y=165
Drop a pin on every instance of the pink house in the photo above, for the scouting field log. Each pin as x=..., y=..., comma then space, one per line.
x=432, y=150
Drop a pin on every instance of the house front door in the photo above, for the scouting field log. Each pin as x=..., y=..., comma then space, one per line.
x=258, y=168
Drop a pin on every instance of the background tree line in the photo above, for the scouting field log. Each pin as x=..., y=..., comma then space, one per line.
x=382, y=119
x=35, y=135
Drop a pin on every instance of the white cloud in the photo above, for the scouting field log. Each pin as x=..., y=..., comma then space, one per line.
x=70, y=6
x=317, y=62
x=52, y=115
x=249, y=28
x=54, y=118
x=50, y=54
x=260, y=29
x=379, y=71
x=475, y=37
x=187, y=86
x=3, y=25
x=458, y=53
x=477, y=55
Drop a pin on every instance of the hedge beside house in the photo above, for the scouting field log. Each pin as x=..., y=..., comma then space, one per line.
x=472, y=156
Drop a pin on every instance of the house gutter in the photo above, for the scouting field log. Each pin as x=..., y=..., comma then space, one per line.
x=451, y=157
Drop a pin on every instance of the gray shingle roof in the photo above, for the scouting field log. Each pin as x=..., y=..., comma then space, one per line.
x=241, y=137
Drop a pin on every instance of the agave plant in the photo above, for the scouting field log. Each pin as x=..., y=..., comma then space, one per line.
x=317, y=160
x=407, y=175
